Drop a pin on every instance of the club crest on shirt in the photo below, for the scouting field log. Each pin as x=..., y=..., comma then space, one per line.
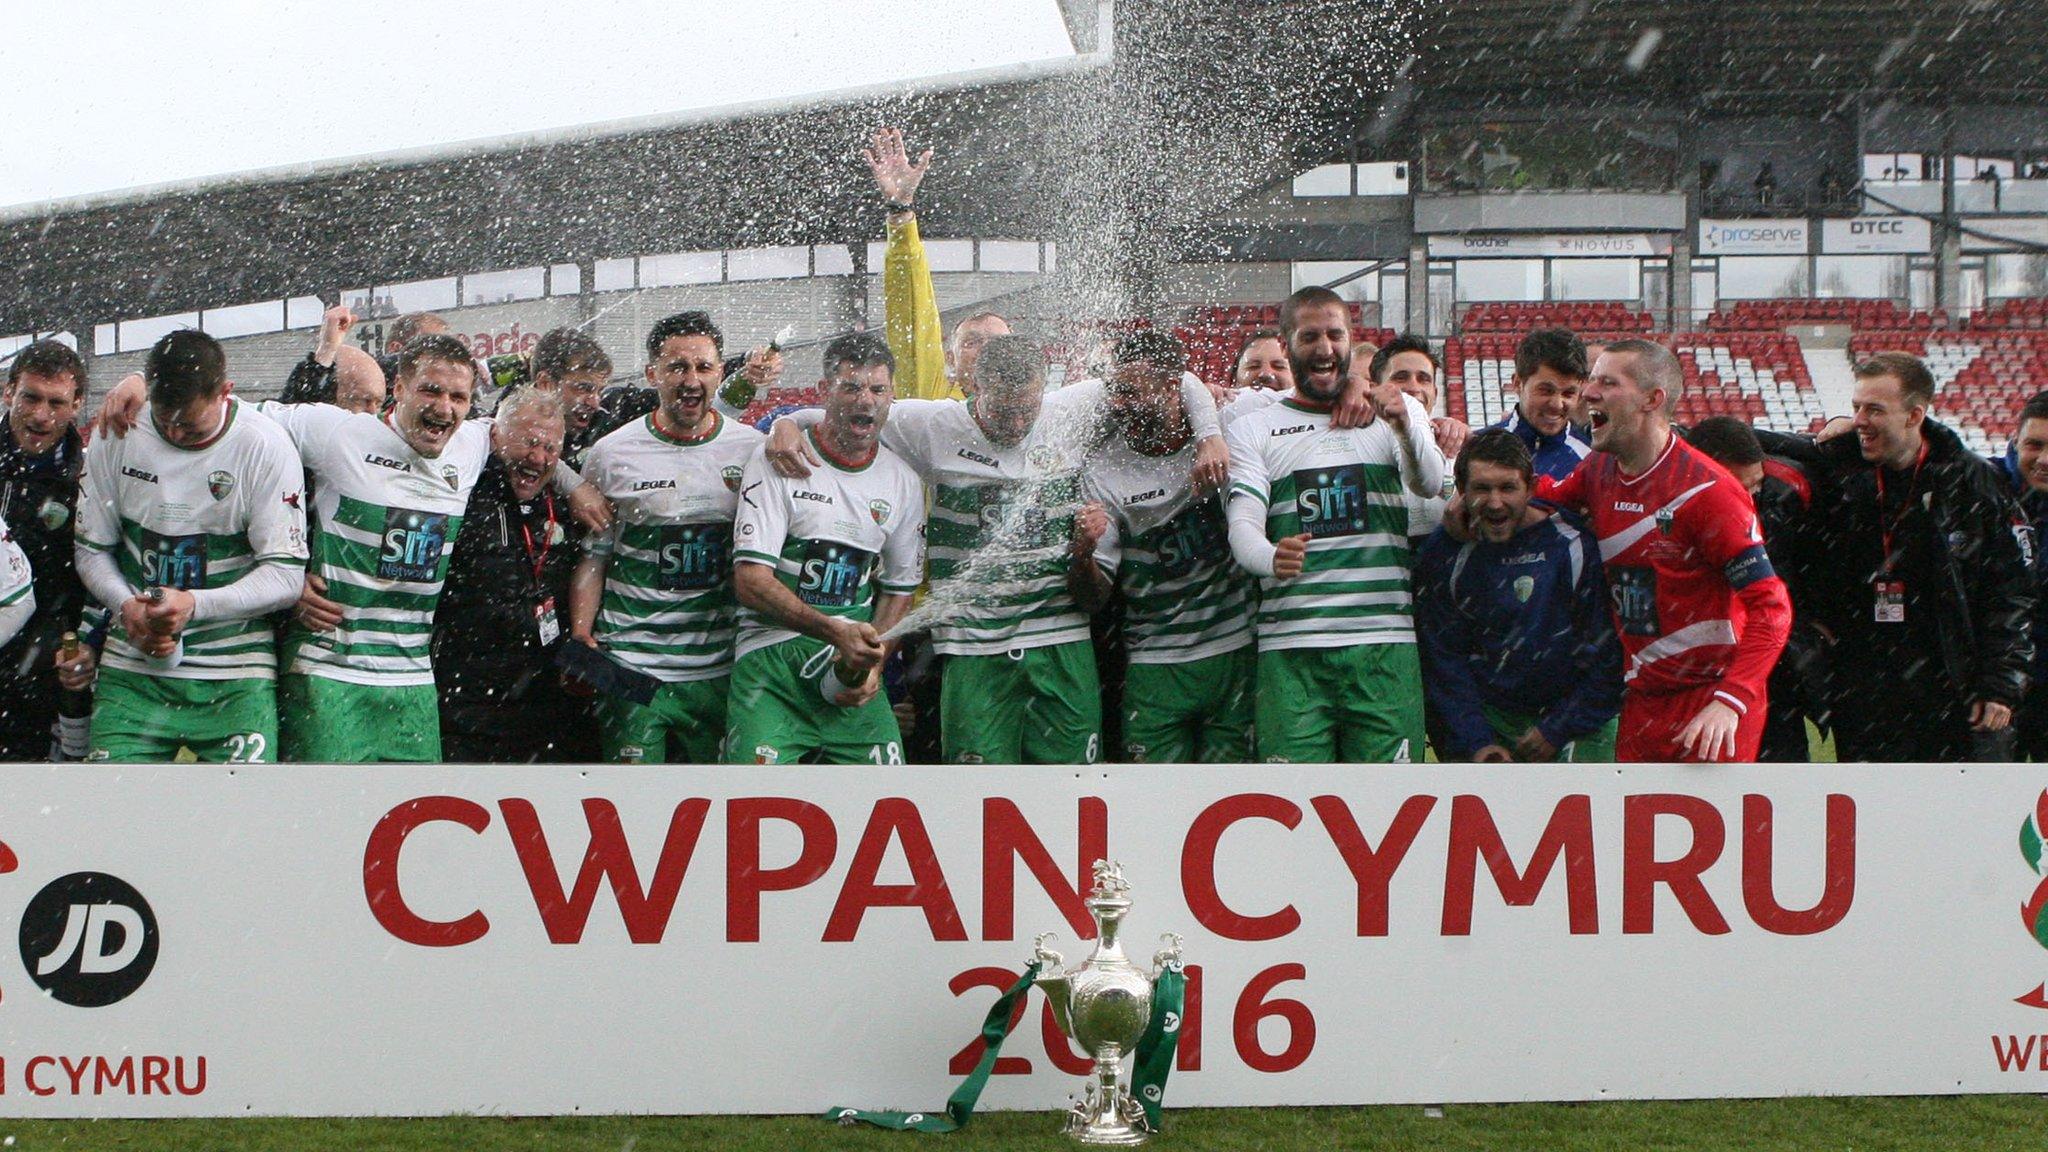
x=220, y=484
x=454, y=478
x=1664, y=518
x=1525, y=587
x=879, y=509
x=731, y=475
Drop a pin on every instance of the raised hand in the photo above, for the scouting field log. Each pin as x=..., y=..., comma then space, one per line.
x=334, y=328
x=896, y=176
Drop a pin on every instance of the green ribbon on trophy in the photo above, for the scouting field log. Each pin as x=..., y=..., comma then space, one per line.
x=960, y=1105
x=1155, y=1060
x=1157, y=1046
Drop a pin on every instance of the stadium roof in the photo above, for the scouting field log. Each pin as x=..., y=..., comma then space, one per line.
x=1207, y=91
x=1778, y=55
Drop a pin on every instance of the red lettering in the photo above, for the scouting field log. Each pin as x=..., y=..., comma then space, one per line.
x=965, y=1060
x=1838, y=887
x=1372, y=871
x=895, y=818
x=2011, y=1055
x=745, y=879
x=1474, y=836
x=1006, y=837
x=107, y=1076
x=75, y=1072
x=156, y=1072
x=1641, y=871
x=380, y=871
x=606, y=859
x=1198, y=867
x=178, y=1076
x=28, y=1076
x=1252, y=1007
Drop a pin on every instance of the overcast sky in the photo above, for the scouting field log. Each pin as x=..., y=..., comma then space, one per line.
x=113, y=94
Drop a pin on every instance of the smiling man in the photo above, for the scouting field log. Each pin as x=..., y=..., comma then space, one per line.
x=192, y=531
x=1518, y=652
x=1926, y=590
x=1701, y=615
x=42, y=459
x=656, y=591
x=499, y=622
x=1550, y=374
x=1320, y=515
x=823, y=565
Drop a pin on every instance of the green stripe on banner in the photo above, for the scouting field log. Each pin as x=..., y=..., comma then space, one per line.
x=960, y=1105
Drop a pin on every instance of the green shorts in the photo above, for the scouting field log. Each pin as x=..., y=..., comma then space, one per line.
x=139, y=718
x=337, y=722
x=1355, y=705
x=684, y=724
x=1595, y=747
x=778, y=715
x=1199, y=712
x=1033, y=706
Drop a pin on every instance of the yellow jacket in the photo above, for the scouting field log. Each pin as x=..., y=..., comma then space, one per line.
x=911, y=317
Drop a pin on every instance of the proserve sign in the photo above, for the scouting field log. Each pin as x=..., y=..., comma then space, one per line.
x=422, y=940
x=1753, y=237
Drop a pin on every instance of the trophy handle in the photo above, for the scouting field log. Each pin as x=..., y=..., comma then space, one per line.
x=1050, y=962
x=1167, y=957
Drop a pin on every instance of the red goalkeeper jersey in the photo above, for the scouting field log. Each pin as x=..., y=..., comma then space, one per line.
x=1695, y=600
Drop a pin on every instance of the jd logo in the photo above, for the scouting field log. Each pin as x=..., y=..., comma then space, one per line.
x=88, y=939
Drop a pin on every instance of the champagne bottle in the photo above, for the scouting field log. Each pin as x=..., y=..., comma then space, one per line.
x=177, y=656
x=739, y=391
x=72, y=736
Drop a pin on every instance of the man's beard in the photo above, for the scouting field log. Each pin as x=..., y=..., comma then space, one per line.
x=1303, y=376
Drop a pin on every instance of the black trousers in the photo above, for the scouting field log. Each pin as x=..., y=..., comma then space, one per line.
x=1893, y=719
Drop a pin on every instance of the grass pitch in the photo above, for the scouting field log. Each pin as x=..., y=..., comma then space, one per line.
x=1864, y=1124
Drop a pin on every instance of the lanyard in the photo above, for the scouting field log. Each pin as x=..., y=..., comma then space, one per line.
x=539, y=556
x=1885, y=530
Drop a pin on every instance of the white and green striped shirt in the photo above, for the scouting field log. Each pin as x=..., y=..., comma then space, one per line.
x=835, y=538
x=1185, y=598
x=1001, y=520
x=1347, y=489
x=197, y=519
x=385, y=520
x=668, y=605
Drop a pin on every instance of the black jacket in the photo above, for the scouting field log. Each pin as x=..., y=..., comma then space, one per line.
x=39, y=498
x=1964, y=550
x=312, y=382
x=487, y=646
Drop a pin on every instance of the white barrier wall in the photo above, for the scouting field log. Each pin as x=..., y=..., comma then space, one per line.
x=537, y=940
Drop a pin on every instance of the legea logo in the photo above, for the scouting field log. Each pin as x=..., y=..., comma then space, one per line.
x=87, y=939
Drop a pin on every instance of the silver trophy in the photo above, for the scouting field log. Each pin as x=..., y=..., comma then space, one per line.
x=1104, y=1005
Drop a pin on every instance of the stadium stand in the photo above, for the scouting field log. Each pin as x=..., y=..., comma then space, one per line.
x=1777, y=315
x=1592, y=318
x=1746, y=370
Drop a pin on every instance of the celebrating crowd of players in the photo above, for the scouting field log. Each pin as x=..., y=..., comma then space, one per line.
x=1302, y=566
